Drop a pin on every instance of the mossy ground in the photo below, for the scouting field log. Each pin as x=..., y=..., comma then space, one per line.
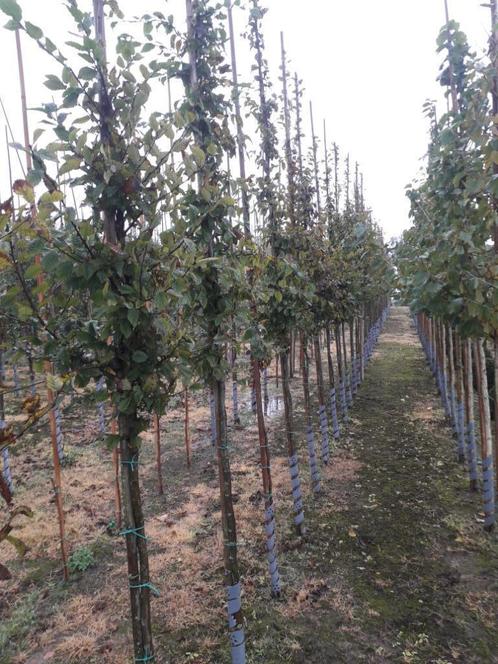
x=395, y=568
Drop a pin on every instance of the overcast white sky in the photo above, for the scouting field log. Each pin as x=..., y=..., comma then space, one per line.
x=367, y=66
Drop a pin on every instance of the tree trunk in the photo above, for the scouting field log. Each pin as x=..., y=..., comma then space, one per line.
x=310, y=436
x=291, y=447
x=469, y=415
x=117, y=480
x=333, y=386
x=264, y=456
x=347, y=368
x=460, y=406
x=488, y=486
x=322, y=408
x=136, y=541
x=342, y=374
x=8, y=486
x=157, y=438
x=186, y=428
x=352, y=350
x=232, y=575
x=235, y=387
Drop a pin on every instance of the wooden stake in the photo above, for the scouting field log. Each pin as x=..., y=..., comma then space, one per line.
x=291, y=178
x=240, y=130
x=493, y=49
x=157, y=437
x=454, y=98
x=186, y=427
x=116, y=465
x=57, y=478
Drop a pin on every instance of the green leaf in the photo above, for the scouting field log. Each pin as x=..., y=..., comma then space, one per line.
x=33, y=30
x=87, y=73
x=139, y=356
x=133, y=317
x=20, y=547
x=54, y=83
x=198, y=155
x=50, y=261
x=33, y=271
x=11, y=8
x=70, y=165
x=54, y=383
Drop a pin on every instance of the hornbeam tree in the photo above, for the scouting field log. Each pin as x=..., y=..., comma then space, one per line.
x=105, y=254
x=217, y=279
x=284, y=287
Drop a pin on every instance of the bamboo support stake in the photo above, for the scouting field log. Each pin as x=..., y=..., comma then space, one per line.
x=186, y=428
x=315, y=162
x=117, y=486
x=157, y=440
x=494, y=97
x=454, y=98
x=57, y=478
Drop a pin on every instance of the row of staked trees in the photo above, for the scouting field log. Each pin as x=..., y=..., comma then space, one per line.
x=128, y=259
x=447, y=261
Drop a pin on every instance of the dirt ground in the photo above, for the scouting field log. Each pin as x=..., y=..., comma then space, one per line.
x=395, y=568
